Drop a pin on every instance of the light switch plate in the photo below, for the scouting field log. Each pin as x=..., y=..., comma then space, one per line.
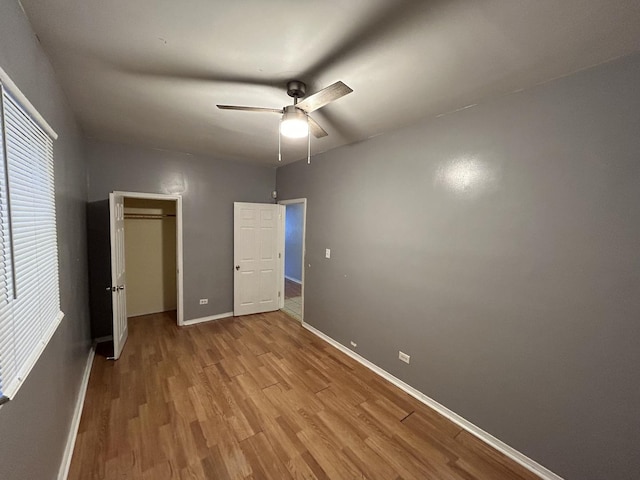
x=404, y=357
x=327, y=253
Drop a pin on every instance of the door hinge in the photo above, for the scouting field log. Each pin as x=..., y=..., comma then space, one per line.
x=279, y=255
x=279, y=294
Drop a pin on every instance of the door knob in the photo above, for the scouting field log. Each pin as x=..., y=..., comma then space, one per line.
x=120, y=287
x=237, y=267
x=111, y=289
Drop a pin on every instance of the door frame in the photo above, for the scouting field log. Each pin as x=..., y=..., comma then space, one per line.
x=179, y=253
x=303, y=201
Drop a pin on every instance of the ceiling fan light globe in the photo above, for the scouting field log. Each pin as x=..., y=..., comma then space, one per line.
x=294, y=128
x=294, y=124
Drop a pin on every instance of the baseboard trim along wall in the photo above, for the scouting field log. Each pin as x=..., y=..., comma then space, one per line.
x=489, y=439
x=75, y=421
x=207, y=319
x=295, y=280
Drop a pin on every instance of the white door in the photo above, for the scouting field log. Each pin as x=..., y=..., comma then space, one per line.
x=256, y=258
x=118, y=277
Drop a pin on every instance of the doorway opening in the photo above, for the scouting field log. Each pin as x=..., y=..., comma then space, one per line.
x=150, y=256
x=159, y=215
x=109, y=262
x=294, y=254
x=154, y=233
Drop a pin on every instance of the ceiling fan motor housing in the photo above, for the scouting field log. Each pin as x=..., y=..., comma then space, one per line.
x=296, y=89
x=293, y=111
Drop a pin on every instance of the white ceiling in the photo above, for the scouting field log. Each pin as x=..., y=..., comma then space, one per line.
x=150, y=72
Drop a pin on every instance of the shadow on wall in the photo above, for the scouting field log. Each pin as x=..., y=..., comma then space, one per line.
x=99, y=253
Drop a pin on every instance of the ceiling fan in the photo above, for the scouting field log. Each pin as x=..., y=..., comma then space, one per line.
x=296, y=122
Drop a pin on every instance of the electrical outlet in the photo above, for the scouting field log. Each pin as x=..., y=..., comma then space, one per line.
x=404, y=357
x=327, y=253
x=204, y=301
x=353, y=344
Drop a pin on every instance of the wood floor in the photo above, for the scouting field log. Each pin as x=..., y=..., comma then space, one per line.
x=259, y=397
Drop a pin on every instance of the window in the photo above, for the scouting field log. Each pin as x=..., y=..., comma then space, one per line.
x=29, y=291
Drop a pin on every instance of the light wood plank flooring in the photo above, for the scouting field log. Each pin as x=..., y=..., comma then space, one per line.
x=259, y=397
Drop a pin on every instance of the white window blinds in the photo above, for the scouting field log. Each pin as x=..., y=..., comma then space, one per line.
x=29, y=291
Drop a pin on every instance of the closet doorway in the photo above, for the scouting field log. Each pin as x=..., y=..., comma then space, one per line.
x=294, y=253
x=150, y=256
x=153, y=252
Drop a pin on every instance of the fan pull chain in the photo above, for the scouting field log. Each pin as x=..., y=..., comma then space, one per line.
x=279, y=142
x=309, y=146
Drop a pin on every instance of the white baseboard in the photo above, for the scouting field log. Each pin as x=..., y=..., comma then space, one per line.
x=106, y=338
x=531, y=465
x=207, y=319
x=75, y=421
x=293, y=279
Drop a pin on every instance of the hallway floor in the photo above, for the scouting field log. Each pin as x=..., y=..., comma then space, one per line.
x=293, y=299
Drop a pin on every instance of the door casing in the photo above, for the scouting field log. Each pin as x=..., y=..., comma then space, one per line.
x=179, y=252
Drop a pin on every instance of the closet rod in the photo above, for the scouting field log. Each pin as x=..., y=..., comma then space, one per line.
x=148, y=215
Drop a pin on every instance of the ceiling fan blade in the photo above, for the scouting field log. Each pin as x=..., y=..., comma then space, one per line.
x=249, y=109
x=384, y=21
x=316, y=129
x=324, y=96
x=187, y=72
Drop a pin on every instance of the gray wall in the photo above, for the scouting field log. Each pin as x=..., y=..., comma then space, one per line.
x=34, y=426
x=293, y=241
x=498, y=246
x=208, y=186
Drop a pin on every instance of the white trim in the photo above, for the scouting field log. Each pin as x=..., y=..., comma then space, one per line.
x=304, y=247
x=210, y=318
x=75, y=421
x=179, y=260
x=106, y=338
x=294, y=280
x=179, y=245
x=282, y=211
x=26, y=104
x=148, y=196
x=531, y=465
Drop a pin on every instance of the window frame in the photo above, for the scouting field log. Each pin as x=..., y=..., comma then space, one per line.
x=42, y=337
